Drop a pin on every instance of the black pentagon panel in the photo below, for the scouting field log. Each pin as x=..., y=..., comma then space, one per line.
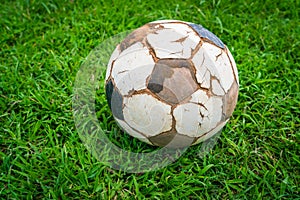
x=114, y=100
x=203, y=32
x=109, y=87
x=157, y=78
x=168, y=79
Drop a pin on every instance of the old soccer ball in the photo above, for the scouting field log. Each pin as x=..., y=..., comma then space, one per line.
x=171, y=82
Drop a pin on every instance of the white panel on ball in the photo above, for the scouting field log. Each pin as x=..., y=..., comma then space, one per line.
x=147, y=114
x=132, y=132
x=174, y=41
x=188, y=119
x=132, y=68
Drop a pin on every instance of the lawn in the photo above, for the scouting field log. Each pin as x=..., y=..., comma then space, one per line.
x=44, y=43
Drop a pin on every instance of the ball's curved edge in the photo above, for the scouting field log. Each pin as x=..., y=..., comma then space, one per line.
x=203, y=32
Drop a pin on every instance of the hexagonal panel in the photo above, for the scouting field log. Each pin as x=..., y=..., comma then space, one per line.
x=188, y=119
x=146, y=114
x=194, y=119
x=132, y=68
x=174, y=40
x=213, y=61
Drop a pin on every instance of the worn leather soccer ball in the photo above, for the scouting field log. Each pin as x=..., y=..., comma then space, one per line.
x=171, y=78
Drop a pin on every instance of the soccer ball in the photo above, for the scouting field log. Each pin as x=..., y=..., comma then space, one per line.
x=171, y=81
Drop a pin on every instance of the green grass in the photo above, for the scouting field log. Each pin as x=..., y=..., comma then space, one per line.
x=42, y=46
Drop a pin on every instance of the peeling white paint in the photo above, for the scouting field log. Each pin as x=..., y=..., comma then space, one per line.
x=176, y=40
x=195, y=120
x=216, y=88
x=202, y=73
x=188, y=118
x=214, y=109
x=199, y=97
x=212, y=58
x=132, y=68
x=147, y=115
x=204, y=64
